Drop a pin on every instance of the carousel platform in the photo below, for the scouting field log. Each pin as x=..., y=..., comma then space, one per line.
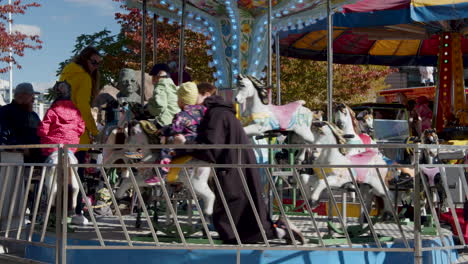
x=278, y=252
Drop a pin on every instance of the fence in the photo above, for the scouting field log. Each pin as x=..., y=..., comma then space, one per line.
x=27, y=203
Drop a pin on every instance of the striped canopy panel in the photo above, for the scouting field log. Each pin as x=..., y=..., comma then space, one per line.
x=392, y=32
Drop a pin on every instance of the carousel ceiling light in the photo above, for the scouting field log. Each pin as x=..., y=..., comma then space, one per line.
x=234, y=47
x=234, y=60
x=234, y=37
x=163, y=2
x=171, y=8
x=179, y=13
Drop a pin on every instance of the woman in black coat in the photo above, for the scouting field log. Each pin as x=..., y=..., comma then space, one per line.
x=220, y=126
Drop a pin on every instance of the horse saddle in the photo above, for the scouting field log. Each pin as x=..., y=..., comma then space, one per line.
x=284, y=113
x=363, y=158
x=151, y=131
x=173, y=174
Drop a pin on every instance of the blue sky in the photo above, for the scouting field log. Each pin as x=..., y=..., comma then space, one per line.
x=59, y=22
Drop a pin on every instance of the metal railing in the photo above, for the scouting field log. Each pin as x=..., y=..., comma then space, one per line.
x=27, y=204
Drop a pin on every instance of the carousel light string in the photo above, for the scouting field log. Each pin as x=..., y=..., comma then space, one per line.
x=297, y=22
x=208, y=29
x=233, y=16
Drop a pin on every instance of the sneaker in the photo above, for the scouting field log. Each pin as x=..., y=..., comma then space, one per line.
x=153, y=181
x=281, y=223
x=134, y=155
x=79, y=219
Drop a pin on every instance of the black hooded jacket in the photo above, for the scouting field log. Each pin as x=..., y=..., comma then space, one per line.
x=220, y=126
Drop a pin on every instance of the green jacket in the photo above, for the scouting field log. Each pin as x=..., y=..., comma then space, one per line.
x=163, y=104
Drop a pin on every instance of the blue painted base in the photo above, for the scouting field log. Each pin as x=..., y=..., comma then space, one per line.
x=247, y=256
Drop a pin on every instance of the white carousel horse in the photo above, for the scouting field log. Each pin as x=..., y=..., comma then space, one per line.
x=266, y=117
x=51, y=179
x=198, y=176
x=345, y=119
x=327, y=133
x=307, y=155
x=366, y=122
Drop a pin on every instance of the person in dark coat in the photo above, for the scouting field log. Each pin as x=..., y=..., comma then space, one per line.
x=220, y=126
x=18, y=122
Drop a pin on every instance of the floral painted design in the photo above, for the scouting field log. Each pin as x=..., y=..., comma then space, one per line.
x=246, y=29
x=244, y=47
x=213, y=7
x=244, y=64
x=256, y=7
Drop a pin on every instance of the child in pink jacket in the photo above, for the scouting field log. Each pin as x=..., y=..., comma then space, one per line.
x=62, y=124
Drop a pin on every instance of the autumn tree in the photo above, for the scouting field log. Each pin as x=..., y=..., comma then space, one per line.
x=167, y=41
x=307, y=80
x=16, y=42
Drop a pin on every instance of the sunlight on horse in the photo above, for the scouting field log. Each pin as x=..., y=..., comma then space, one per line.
x=267, y=117
x=327, y=133
x=346, y=120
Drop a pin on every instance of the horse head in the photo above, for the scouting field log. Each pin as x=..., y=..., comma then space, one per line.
x=345, y=118
x=249, y=86
x=366, y=121
x=429, y=136
x=317, y=115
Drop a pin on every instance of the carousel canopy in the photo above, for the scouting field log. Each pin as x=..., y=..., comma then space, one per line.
x=391, y=32
x=237, y=29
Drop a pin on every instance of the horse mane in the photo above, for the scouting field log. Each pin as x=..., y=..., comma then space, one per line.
x=338, y=133
x=354, y=120
x=262, y=90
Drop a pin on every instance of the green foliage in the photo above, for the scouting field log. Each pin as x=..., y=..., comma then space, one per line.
x=307, y=80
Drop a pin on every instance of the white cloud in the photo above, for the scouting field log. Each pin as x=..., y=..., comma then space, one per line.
x=29, y=30
x=107, y=7
x=42, y=86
